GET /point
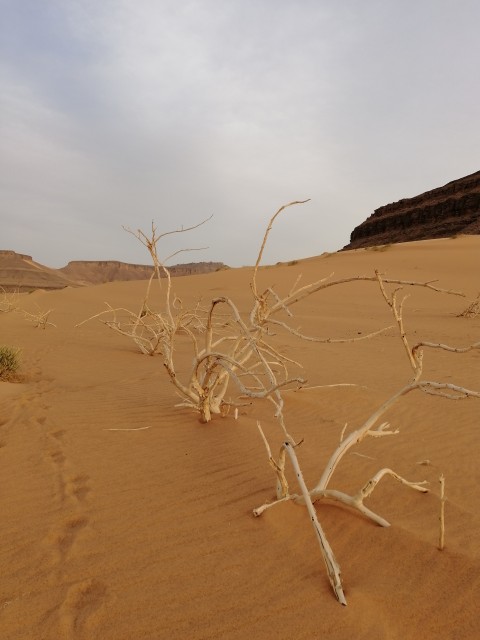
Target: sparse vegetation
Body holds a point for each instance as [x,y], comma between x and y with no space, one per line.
[9,303]
[235,353]
[9,362]
[40,319]
[8,300]
[472,310]
[154,331]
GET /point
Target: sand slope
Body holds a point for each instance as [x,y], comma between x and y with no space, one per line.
[111,533]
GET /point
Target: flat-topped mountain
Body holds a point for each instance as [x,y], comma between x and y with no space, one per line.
[442,212]
[100,271]
[20,272]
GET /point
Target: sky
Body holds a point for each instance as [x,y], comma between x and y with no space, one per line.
[117,113]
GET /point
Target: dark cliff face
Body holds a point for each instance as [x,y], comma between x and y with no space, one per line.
[439,213]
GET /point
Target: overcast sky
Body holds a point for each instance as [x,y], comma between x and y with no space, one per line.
[120,112]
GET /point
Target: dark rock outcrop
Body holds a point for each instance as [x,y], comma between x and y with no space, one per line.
[443,212]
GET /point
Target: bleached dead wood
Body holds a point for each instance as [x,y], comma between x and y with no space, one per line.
[472,310]
[154,332]
[372,427]
[441,541]
[40,319]
[333,568]
[244,356]
[235,350]
[9,300]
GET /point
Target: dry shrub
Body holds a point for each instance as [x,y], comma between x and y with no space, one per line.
[8,300]
[235,361]
[9,362]
[472,310]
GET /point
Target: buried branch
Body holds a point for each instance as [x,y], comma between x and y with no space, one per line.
[333,569]
[372,427]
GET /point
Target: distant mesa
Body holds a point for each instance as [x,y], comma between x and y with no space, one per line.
[100,271]
[440,213]
[443,212]
[19,272]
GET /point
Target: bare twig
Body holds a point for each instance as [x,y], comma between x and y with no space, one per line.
[441,541]
[39,319]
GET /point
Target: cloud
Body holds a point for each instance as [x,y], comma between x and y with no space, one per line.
[119,112]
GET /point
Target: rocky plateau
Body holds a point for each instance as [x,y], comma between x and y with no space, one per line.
[19,272]
[440,213]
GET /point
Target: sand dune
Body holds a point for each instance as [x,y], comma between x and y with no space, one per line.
[125,518]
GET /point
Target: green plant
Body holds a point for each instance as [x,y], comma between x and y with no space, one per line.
[9,362]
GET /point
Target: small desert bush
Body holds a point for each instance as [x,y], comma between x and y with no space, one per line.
[9,362]
[473,309]
[8,300]
[39,318]
[292,263]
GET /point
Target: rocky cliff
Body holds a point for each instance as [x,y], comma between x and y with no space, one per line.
[100,271]
[19,272]
[439,213]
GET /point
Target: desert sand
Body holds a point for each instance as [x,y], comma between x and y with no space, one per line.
[125,518]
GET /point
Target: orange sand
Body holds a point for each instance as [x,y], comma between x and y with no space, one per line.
[124,535]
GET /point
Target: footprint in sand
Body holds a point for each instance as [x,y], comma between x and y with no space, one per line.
[81,602]
[43,386]
[57,456]
[57,435]
[64,538]
[78,487]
